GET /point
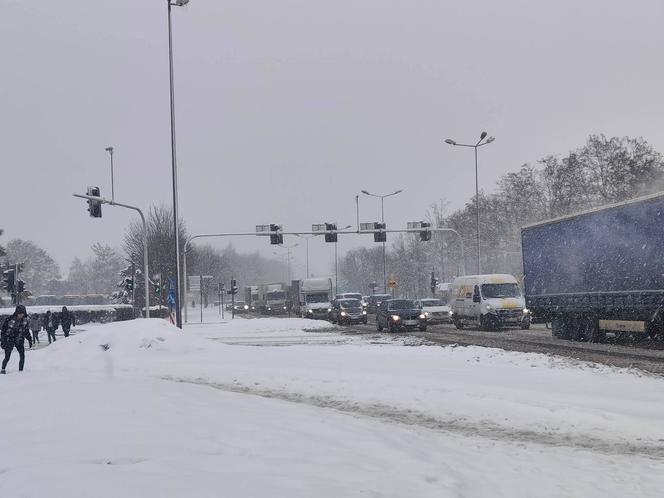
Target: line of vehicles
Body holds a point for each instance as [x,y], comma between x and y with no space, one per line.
[589,274]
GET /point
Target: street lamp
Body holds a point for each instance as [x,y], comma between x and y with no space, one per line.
[110,151]
[482,141]
[382,220]
[178,311]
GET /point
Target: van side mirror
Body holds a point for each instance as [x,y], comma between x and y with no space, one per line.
[476,298]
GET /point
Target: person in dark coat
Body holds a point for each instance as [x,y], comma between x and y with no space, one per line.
[67,320]
[14,331]
[35,327]
[50,323]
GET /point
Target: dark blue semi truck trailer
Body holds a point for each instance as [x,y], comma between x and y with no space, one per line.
[598,271]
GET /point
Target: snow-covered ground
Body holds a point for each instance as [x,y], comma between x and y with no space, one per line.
[292,408]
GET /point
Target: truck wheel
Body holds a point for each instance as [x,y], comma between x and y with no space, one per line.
[423,328]
[379,327]
[458,323]
[392,328]
[589,330]
[486,323]
[559,329]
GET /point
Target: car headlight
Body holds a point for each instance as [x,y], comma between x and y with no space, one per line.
[246,307]
[450,313]
[426,313]
[269,309]
[526,311]
[489,307]
[396,318]
[284,307]
[364,312]
[423,316]
[329,309]
[343,313]
[310,311]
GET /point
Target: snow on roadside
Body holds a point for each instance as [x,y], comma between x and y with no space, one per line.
[339,418]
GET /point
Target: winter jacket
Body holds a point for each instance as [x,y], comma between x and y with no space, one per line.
[67,319]
[54,322]
[35,323]
[15,331]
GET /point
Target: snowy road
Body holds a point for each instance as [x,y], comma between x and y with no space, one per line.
[141,409]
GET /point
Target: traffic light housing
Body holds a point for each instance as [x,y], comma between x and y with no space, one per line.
[94,207]
[425,234]
[234,287]
[379,236]
[330,227]
[9,281]
[129,283]
[20,286]
[275,237]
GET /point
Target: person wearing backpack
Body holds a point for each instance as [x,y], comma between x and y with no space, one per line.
[14,331]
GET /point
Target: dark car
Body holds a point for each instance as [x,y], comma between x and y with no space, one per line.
[374,301]
[396,314]
[347,311]
[239,307]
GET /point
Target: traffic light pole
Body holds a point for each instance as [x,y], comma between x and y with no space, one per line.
[187,243]
[145,242]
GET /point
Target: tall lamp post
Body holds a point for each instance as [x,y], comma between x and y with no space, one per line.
[382,220]
[178,311]
[110,151]
[482,141]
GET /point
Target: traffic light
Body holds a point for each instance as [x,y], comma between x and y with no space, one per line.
[330,227]
[234,287]
[9,281]
[129,283]
[434,283]
[20,286]
[275,237]
[379,236]
[94,207]
[425,234]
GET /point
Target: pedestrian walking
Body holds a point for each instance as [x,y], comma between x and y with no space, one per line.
[67,320]
[35,327]
[50,323]
[14,331]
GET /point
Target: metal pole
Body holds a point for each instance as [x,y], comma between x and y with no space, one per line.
[232,300]
[222,300]
[184,271]
[110,151]
[133,289]
[219,291]
[336,271]
[16,279]
[307,239]
[201,292]
[382,220]
[477,208]
[288,264]
[178,311]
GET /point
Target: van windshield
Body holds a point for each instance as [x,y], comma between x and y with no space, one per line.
[500,290]
[321,297]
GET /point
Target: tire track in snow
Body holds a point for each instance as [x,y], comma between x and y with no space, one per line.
[405,416]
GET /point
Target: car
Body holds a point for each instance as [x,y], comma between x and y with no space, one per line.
[435,310]
[240,307]
[396,314]
[347,311]
[375,300]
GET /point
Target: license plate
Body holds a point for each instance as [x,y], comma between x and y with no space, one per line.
[410,322]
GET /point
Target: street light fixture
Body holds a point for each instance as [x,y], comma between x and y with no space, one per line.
[481,142]
[382,219]
[178,311]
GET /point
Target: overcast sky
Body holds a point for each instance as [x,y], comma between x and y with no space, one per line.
[287,109]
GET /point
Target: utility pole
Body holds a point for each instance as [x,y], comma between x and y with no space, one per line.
[200,277]
[133,289]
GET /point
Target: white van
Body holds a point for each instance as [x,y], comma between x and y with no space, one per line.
[489,302]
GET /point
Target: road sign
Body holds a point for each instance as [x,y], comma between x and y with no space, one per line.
[392,283]
[194,283]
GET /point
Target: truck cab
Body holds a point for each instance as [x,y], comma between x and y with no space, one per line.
[489,302]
